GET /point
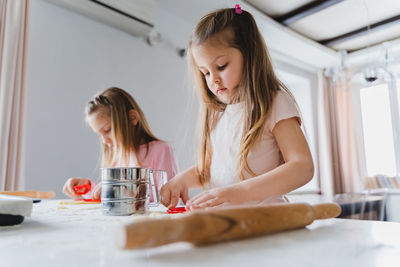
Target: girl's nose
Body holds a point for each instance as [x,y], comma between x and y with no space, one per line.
[216,79]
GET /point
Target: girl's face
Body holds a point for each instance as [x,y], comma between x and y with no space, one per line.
[100,122]
[222,67]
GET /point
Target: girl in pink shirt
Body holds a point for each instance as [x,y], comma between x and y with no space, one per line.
[252,148]
[126,138]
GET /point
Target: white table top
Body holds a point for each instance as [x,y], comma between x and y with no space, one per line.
[79,235]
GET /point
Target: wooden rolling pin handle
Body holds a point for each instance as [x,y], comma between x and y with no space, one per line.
[217,225]
[31,194]
[326,210]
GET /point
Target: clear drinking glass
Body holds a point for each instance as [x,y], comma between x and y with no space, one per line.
[158,178]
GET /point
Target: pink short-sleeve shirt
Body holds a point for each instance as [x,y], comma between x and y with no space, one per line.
[159,157]
[225,141]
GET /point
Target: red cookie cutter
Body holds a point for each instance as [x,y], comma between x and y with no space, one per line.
[82,189]
[176,210]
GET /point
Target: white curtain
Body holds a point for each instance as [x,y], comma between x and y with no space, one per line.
[341,153]
[13,23]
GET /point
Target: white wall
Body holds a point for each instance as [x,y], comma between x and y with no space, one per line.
[69,59]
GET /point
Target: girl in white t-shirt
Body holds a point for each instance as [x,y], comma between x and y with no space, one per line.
[252,148]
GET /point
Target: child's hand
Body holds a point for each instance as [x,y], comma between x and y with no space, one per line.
[172,191]
[228,195]
[69,185]
[96,192]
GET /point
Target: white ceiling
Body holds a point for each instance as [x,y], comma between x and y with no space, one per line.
[275,8]
[338,18]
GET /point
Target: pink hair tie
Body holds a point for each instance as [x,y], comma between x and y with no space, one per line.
[238,9]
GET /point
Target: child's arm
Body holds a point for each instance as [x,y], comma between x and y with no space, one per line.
[297,170]
[179,187]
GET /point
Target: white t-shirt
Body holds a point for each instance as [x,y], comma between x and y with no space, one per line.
[225,141]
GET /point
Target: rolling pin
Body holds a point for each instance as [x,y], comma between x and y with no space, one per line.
[31,194]
[215,225]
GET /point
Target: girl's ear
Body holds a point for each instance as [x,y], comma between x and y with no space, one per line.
[133,117]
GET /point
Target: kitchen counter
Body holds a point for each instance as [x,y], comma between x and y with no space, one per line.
[79,235]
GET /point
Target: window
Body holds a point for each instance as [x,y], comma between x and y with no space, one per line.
[379,113]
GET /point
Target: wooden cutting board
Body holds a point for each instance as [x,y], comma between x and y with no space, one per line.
[216,225]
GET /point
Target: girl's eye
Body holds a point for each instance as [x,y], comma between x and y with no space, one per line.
[206,74]
[222,67]
[109,130]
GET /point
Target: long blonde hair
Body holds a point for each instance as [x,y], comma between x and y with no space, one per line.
[257,88]
[128,136]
